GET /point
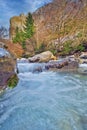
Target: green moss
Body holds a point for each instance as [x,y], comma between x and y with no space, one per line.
[12,82]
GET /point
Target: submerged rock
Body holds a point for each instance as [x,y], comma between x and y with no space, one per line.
[43,57]
[22,60]
[82,68]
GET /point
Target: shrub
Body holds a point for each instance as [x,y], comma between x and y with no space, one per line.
[67,48]
[54,51]
[23,45]
[79,35]
[80,47]
[41,48]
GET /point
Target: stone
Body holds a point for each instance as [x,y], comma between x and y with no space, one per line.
[7,67]
[83,58]
[64,65]
[43,57]
[22,60]
[37,69]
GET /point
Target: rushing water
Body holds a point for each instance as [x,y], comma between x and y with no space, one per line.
[45,101]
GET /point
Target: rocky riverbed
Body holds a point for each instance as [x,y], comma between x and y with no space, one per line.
[45,61]
[48,61]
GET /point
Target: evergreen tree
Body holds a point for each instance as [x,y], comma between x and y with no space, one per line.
[29,29]
[28,32]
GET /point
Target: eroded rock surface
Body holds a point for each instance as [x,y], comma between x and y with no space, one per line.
[64,65]
[7,67]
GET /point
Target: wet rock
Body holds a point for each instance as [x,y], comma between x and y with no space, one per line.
[82,69]
[64,65]
[42,57]
[4,78]
[7,67]
[22,60]
[83,58]
[38,69]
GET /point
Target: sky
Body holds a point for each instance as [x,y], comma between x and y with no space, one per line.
[10,8]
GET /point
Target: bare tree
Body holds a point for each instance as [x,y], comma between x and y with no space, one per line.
[3,32]
[66,14]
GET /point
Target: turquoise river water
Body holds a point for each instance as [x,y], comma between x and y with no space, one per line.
[45,101]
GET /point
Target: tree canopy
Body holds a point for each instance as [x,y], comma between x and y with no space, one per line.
[28,32]
[29,29]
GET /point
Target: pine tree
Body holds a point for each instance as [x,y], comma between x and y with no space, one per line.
[29,29]
[28,32]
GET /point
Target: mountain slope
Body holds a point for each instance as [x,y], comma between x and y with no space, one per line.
[59,19]
[60,24]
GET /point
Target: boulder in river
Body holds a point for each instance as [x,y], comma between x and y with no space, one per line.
[43,57]
[63,65]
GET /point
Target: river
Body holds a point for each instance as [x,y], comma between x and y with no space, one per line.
[45,101]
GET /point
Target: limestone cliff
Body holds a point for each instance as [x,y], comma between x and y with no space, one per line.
[16,22]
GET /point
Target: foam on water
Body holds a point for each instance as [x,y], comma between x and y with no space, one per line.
[45,101]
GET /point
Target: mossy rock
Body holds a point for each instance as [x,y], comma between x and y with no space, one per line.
[12,82]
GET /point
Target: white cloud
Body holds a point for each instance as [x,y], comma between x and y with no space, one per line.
[9,8]
[34,4]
